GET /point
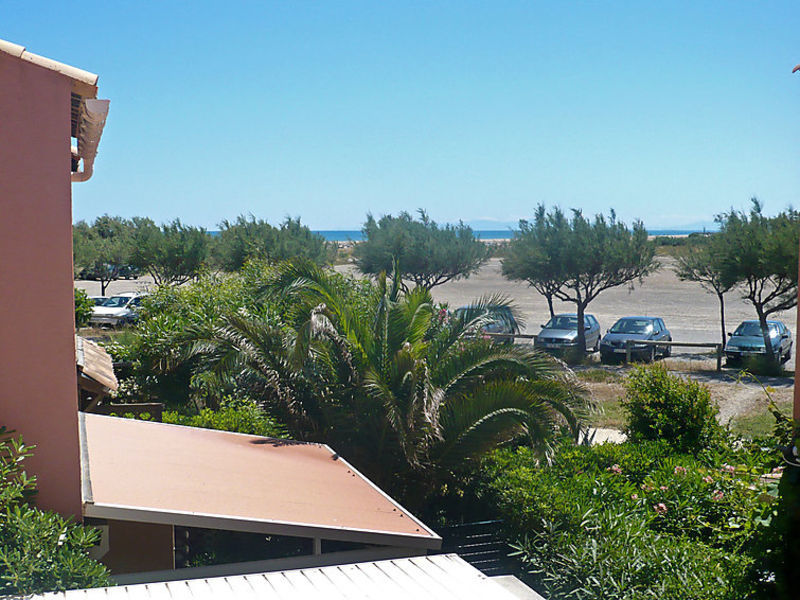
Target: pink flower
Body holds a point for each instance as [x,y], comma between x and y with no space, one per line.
[647,488]
[728,469]
[717,496]
[708,479]
[634,496]
[660,508]
[664,488]
[680,470]
[614,469]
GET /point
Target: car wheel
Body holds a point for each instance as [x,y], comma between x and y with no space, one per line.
[668,350]
[596,344]
[604,358]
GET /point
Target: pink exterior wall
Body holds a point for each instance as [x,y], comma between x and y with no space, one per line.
[38,395]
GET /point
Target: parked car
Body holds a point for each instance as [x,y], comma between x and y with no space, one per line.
[98,300]
[613,343]
[117,310]
[501,321]
[748,340]
[560,333]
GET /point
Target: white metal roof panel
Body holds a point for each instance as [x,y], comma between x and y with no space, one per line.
[441,577]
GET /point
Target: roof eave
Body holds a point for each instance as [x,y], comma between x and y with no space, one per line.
[268,527]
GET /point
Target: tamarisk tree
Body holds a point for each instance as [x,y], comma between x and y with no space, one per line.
[702,263]
[575,259]
[420,251]
[760,254]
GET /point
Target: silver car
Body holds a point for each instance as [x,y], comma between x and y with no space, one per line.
[561,333]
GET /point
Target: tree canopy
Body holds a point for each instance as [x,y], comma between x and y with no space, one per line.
[701,262]
[425,253]
[172,254]
[248,238]
[575,259]
[102,251]
[760,254]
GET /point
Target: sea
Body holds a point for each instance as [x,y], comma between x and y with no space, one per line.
[353,235]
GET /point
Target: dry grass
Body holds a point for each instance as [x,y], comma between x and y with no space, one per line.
[757,421]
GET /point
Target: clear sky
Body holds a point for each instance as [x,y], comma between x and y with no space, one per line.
[666,111]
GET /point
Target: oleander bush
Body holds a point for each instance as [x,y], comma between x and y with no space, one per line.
[662,406]
[40,551]
[635,520]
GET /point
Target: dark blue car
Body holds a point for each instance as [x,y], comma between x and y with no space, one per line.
[748,340]
[635,329]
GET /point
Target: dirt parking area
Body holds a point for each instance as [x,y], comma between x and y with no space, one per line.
[690,313]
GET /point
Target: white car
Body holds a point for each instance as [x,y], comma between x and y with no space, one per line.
[117,310]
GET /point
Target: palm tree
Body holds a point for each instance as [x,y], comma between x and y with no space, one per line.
[405,393]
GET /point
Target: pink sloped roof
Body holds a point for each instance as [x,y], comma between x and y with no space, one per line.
[155,472]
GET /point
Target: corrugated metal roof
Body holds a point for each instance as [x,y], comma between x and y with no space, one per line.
[160,473]
[443,577]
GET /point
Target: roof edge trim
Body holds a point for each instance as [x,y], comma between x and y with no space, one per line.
[74,73]
[226,522]
[86,481]
[385,495]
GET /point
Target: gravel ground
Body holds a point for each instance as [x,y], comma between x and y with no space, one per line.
[690,313]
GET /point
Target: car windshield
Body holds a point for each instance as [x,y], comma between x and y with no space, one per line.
[562,322]
[117,301]
[750,329]
[632,326]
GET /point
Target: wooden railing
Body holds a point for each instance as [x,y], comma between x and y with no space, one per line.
[630,343]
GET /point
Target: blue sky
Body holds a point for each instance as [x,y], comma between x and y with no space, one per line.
[667,112]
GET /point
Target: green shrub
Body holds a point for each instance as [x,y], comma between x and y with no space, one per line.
[242,416]
[39,551]
[660,405]
[633,520]
[615,556]
[83,308]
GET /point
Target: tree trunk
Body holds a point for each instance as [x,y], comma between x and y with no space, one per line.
[550,304]
[103,286]
[581,350]
[722,318]
[762,319]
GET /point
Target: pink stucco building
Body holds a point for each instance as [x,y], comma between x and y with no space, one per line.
[138,480]
[43,112]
